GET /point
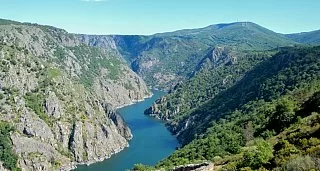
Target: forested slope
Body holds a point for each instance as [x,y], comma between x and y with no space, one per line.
[269,119]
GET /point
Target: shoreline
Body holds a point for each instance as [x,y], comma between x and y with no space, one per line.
[134,101]
[74,165]
[96,162]
[88,163]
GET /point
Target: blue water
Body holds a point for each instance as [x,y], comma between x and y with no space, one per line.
[151,140]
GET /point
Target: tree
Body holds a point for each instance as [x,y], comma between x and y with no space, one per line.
[283,116]
[312,105]
[248,132]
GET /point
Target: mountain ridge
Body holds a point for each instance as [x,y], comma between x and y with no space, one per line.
[165,59]
[312,37]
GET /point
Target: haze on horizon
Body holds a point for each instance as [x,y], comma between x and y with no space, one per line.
[149,17]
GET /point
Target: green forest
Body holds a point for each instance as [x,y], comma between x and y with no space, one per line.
[269,120]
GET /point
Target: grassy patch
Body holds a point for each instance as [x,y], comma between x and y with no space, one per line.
[53,73]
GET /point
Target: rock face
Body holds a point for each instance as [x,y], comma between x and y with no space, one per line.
[52,105]
[218,56]
[60,95]
[105,42]
[127,89]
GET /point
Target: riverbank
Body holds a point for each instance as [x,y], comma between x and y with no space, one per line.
[134,101]
[151,140]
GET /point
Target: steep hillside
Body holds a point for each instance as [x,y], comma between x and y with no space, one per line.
[312,37]
[95,68]
[57,97]
[222,68]
[165,59]
[267,120]
[266,81]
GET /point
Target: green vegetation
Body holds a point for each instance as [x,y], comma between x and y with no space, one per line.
[95,60]
[35,101]
[2,96]
[60,53]
[284,72]
[207,83]
[53,73]
[267,120]
[258,155]
[142,167]
[7,156]
[227,144]
[8,22]
[312,37]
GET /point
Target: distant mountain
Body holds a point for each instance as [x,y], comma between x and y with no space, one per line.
[165,59]
[312,37]
[244,35]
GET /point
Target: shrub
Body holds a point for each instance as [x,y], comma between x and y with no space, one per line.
[284,152]
[1,96]
[141,167]
[13,62]
[258,155]
[7,156]
[301,163]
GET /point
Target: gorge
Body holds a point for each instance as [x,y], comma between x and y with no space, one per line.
[239,96]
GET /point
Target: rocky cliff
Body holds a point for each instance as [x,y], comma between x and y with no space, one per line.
[59,95]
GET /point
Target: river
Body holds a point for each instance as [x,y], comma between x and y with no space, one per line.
[151,140]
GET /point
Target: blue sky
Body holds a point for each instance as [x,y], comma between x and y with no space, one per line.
[154,16]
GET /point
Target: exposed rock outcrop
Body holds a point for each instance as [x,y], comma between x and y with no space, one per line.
[60,96]
[196,167]
[32,126]
[37,155]
[127,89]
[217,56]
[52,105]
